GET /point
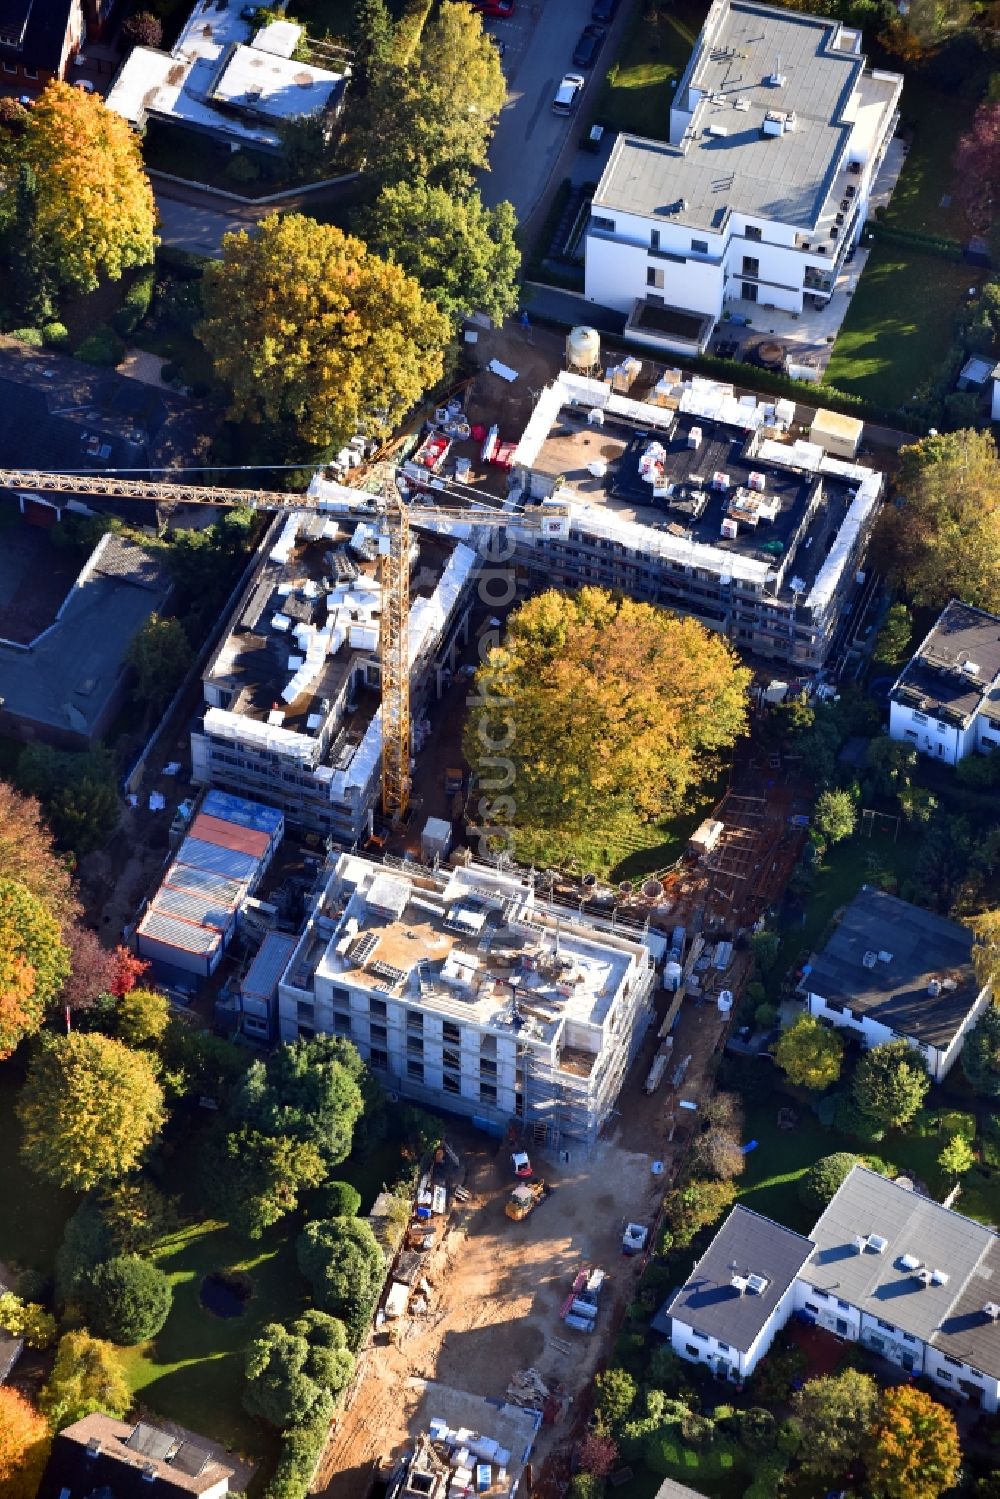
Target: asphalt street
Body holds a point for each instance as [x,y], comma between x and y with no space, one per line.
[530,139]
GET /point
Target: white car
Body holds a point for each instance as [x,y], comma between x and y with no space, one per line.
[568,93]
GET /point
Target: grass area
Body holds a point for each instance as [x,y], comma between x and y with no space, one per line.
[620,848]
[721,1471]
[193,1371]
[770,1183]
[372,1172]
[898,330]
[937,121]
[637,92]
[33,1213]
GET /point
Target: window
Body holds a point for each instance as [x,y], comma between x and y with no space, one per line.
[339,996]
[449,1057]
[654,239]
[844,1305]
[379,1035]
[700,247]
[748,291]
[608,225]
[723,1347]
[943,1374]
[377,1007]
[692,1350]
[654,277]
[886,1326]
[415,1046]
[415,1070]
[31,72]
[751,265]
[10,67]
[487,1092]
[519,1105]
[955,1362]
[450,1032]
[908,1338]
[341,1025]
[752,232]
[379,1058]
[487,1068]
[450,1084]
[919,717]
[415,1022]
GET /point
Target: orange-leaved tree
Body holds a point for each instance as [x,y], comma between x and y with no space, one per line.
[913,1450]
[24,1446]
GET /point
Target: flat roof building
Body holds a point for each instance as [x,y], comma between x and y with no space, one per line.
[891,970]
[692,500]
[292,695]
[946,700]
[777,130]
[465,990]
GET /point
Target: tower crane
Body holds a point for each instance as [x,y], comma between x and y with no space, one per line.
[395,518]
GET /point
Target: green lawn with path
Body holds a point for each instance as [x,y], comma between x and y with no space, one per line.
[640,85]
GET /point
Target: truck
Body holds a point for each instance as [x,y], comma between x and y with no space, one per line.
[525,1198]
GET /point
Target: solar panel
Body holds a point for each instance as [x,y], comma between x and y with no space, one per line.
[190,1458]
[150,1441]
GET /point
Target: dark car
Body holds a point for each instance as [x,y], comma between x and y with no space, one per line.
[587,48]
[501,9]
[604,11]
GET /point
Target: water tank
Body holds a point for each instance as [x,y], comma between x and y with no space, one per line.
[583,348]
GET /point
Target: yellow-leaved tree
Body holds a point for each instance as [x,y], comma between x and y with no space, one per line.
[88,211]
[314,335]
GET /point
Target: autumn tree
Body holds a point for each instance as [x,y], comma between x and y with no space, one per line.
[986,947]
[835,815]
[295,1372]
[981,1054]
[371,43]
[141,1017]
[159,654]
[27,855]
[27,1319]
[596,704]
[314,335]
[913,1450]
[142,29]
[24,1446]
[977,165]
[717,1153]
[810,1054]
[34,963]
[464,255]
[942,539]
[93,968]
[890,1084]
[834,1410]
[86,1377]
[90,1107]
[94,214]
[431,120]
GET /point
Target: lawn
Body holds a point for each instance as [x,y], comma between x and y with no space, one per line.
[770,1183]
[639,88]
[33,1213]
[193,1371]
[937,121]
[899,326]
[720,1471]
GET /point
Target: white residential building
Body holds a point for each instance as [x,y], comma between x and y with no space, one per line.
[892,971]
[884,1266]
[946,702]
[466,991]
[292,711]
[776,133]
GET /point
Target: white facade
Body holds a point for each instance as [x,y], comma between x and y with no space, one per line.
[762,191]
[872,1032]
[946,701]
[466,992]
[725,1360]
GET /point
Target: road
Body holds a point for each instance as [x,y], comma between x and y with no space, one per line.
[530,140]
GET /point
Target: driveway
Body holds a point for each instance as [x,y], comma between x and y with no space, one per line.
[530,139]
[197,230]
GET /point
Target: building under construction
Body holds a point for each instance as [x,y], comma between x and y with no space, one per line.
[292,708]
[467,991]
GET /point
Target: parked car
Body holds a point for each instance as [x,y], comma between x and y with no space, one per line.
[568,93]
[587,48]
[604,11]
[501,9]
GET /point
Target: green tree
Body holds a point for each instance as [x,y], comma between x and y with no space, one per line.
[27,1320]
[306,1090]
[766,946]
[159,654]
[834,1410]
[30,292]
[913,1449]
[943,540]
[34,963]
[432,120]
[371,40]
[338,1200]
[654,699]
[820,1182]
[90,1107]
[316,336]
[257,1179]
[957,1157]
[293,1373]
[890,1084]
[79,792]
[614,1396]
[86,1377]
[893,640]
[85,1243]
[810,1054]
[835,815]
[986,947]
[943,860]
[342,1261]
[696,1205]
[82,153]
[128,1299]
[137,1215]
[981,1054]
[141,1017]
[464,256]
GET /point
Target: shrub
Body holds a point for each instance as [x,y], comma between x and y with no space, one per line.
[586,1486]
[128,1299]
[765,1016]
[33,337]
[756,1428]
[337,1200]
[242,168]
[135,303]
[614,1396]
[768,1474]
[301,1449]
[55,335]
[102,347]
[821,1181]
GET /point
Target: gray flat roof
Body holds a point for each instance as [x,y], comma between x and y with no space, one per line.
[949,1316]
[923,947]
[953,672]
[785,177]
[745,1245]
